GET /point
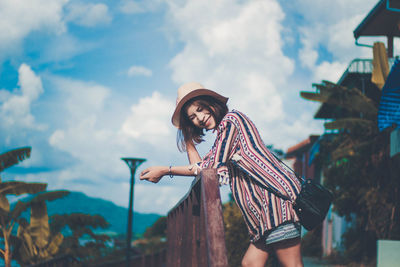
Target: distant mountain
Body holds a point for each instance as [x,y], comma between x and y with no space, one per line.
[117,216]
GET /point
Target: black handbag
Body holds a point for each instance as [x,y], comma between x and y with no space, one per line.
[312,203]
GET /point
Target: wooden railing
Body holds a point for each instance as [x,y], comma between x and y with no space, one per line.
[195,230]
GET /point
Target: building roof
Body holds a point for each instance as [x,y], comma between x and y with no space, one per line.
[382,20]
[301,147]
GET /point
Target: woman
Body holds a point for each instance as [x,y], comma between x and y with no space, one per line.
[255,176]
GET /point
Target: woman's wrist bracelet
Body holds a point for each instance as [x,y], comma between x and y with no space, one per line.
[169,172]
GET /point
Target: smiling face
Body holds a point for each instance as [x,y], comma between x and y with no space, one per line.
[200,117]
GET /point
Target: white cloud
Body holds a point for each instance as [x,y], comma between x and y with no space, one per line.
[149,120]
[81,108]
[235,48]
[18,18]
[97,132]
[330,25]
[139,71]
[15,107]
[162,196]
[90,135]
[341,40]
[63,48]
[135,7]
[131,7]
[307,54]
[329,71]
[88,15]
[22,18]
[300,126]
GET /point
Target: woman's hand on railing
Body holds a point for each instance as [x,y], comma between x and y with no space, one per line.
[154,174]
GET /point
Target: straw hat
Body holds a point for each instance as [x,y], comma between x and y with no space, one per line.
[187,92]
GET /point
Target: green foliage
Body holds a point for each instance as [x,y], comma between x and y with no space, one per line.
[365,183]
[154,238]
[360,245]
[35,241]
[158,229]
[38,240]
[236,234]
[15,188]
[311,244]
[39,198]
[82,242]
[358,169]
[7,160]
[357,126]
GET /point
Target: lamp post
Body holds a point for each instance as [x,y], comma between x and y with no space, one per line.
[132,163]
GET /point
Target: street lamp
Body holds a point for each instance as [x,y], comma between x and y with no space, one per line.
[133,163]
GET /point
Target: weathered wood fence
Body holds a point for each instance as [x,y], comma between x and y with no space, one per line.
[195,230]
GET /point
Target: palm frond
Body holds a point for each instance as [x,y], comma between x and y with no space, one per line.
[21,206]
[315,96]
[18,188]
[13,157]
[352,100]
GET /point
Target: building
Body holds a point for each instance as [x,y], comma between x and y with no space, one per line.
[382,20]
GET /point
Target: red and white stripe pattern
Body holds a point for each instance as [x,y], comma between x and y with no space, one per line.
[253,174]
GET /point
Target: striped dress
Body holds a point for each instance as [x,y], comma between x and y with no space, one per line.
[253,173]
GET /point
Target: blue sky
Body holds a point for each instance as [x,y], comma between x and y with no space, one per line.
[88,82]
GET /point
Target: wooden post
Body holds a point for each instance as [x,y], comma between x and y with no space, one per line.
[215,233]
[195,229]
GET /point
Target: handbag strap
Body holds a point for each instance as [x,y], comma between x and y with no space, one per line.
[297,176]
[302,180]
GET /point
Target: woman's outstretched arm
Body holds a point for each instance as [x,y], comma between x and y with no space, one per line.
[155,173]
[192,153]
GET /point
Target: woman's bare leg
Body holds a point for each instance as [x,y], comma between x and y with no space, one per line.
[256,255]
[288,253]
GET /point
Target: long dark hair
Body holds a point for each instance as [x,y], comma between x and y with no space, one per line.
[187,130]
